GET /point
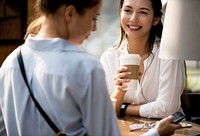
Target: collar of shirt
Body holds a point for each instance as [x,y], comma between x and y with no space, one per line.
[47,44]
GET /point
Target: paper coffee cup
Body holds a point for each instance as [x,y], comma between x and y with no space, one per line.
[132,61]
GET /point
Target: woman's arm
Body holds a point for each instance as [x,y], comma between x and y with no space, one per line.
[133,110]
[170,87]
[119,95]
[120,91]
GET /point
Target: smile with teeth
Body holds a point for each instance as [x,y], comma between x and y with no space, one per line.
[134,27]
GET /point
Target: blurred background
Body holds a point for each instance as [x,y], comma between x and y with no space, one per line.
[108,29]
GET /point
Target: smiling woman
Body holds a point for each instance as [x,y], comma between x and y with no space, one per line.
[108,33]
[61,76]
[162,81]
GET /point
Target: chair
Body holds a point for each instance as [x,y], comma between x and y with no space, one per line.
[191,107]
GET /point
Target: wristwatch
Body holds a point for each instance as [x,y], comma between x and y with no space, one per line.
[123,109]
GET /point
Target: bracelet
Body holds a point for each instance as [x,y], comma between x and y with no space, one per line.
[123,109]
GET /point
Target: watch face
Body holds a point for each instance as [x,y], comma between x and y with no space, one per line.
[123,106]
[123,109]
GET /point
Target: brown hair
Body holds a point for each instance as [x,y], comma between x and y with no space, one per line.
[45,7]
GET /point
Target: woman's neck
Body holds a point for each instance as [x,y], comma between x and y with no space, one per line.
[48,29]
[139,46]
[53,26]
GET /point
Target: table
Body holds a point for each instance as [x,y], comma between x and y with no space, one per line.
[128,120]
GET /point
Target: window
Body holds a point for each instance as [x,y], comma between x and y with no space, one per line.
[108,29]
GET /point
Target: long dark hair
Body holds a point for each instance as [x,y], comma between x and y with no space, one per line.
[155,30]
[45,7]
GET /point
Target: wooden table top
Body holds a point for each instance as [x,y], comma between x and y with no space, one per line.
[128,120]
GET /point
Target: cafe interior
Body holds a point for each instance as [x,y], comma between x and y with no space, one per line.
[181,21]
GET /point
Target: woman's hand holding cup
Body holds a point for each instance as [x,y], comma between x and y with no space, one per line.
[132,64]
[120,79]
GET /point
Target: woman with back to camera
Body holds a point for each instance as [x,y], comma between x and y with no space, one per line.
[68,83]
[161,82]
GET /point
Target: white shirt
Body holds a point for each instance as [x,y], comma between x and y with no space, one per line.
[160,87]
[69,85]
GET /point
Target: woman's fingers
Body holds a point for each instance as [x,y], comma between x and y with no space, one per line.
[121,70]
[120,84]
[121,87]
[121,73]
[121,81]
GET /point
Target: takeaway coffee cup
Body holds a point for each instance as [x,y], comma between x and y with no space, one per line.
[132,61]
